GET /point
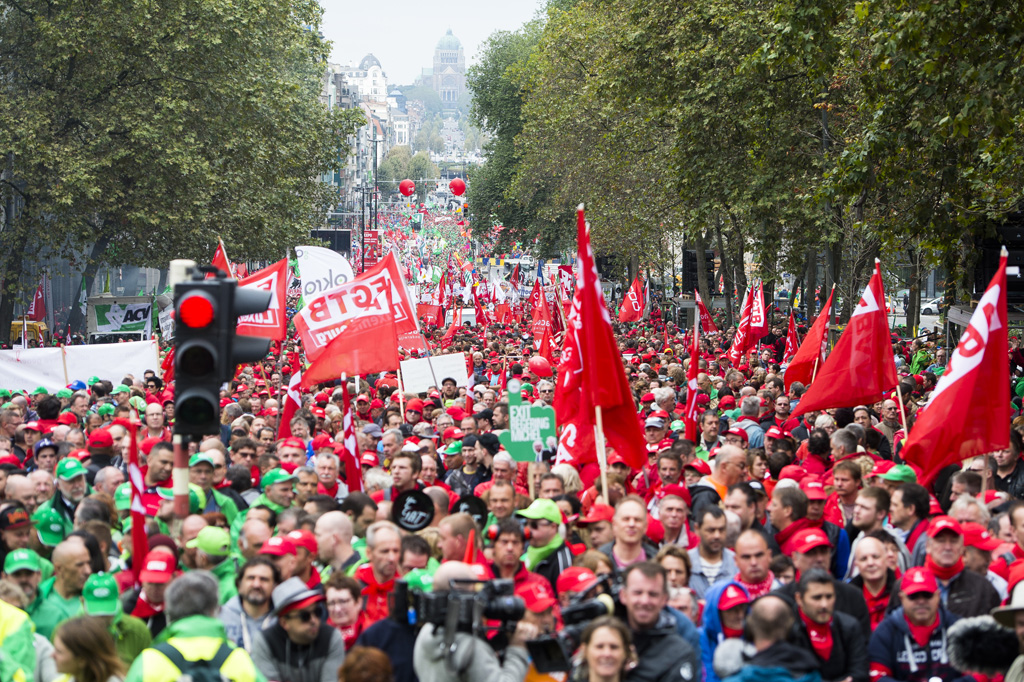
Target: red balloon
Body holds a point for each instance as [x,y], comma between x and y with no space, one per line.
[457,186]
[407,187]
[540,366]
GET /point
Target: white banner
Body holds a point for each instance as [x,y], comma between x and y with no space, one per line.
[321,270]
[27,369]
[418,378]
[55,368]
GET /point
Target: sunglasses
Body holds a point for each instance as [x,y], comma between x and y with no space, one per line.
[921,596]
[539,523]
[304,616]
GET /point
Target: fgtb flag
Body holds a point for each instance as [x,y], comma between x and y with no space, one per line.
[741,340]
[810,355]
[706,323]
[632,308]
[792,339]
[861,366]
[273,323]
[965,416]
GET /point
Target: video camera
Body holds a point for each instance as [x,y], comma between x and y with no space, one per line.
[464,608]
[553,653]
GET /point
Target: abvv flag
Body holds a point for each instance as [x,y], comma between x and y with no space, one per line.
[969,408]
[861,366]
[741,340]
[706,323]
[632,308]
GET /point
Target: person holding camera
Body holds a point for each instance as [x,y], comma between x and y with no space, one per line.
[471,659]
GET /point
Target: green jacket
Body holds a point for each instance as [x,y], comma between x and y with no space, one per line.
[920,361]
[225,504]
[17,652]
[236,525]
[196,638]
[53,610]
[66,519]
[225,572]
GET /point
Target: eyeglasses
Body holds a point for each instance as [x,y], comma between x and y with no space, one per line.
[246,455]
[340,602]
[539,523]
[304,616]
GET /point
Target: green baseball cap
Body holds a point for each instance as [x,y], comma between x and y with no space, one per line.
[4,393]
[120,388]
[123,496]
[194,504]
[201,458]
[64,393]
[677,425]
[528,387]
[212,540]
[6,406]
[420,580]
[454,448]
[138,403]
[50,527]
[39,390]
[22,560]
[101,595]
[105,410]
[542,509]
[69,468]
[900,473]
[277,476]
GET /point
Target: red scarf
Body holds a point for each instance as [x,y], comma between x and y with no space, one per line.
[757,589]
[821,636]
[922,633]
[732,633]
[944,573]
[144,610]
[784,536]
[876,605]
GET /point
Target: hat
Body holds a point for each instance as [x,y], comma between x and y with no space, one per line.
[14,517]
[123,496]
[454,448]
[758,487]
[727,402]
[575,579]
[775,432]
[794,472]
[100,438]
[900,473]
[918,579]
[93,380]
[655,423]
[739,433]
[943,523]
[32,426]
[120,388]
[809,539]
[67,418]
[212,540]
[158,567]
[410,447]
[22,560]
[677,425]
[700,466]
[50,526]
[414,405]
[105,410]
[813,489]
[677,490]
[101,596]
[63,393]
[537,595]
[201,458]
[1005,615]
[277,476]
[647,397]
[598,512]
[882,467]
[362,398]
[376,403]
[732,596]
[977,536]
[542,509]
[420,579]
[615,458]
[293,443]
[279,545]
[373,431]
[39,390]
[369,458]
[69,469]
[291,595]
[43,443]
[303,538]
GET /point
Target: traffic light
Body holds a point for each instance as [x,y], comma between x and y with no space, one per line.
[689,278]
[208,348]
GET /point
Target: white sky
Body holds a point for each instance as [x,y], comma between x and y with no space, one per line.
[402,33]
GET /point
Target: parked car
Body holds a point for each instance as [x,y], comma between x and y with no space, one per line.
[931,307]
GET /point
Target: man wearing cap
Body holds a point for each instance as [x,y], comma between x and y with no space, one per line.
[299,646]
[278,490]
[16,529]
[910,644]
[724,614]
[812,549]
[547,555]
[201,474]
[71,489]
[101,599]
[213,553]
[71,567]
[833,638]
[711,561]
[671,506]
[598,525]
[148,601]
[23,567]
[193,634]
[978,547]
[963,592]
[282,551]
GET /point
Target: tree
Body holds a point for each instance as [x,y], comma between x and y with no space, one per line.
[421,169]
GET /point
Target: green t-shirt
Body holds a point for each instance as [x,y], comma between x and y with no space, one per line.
[53,610]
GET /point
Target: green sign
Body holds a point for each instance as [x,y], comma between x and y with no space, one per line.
[531,428]
[132,317]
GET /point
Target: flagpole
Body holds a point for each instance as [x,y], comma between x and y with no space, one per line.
[401,393]
[903,411]
[602,456]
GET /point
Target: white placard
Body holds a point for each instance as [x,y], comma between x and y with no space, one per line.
[417,377]
[111,361]
[27,369]
[321,270]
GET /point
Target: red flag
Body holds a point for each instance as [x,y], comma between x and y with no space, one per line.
[741,340]
[965,416]
[482,318]
[140,541]
[220,260]
[37,309]
[272,324]
[758,316]
[168,366]
[292,404]
[540,312]
[543,347]
[861,366]
[449,335]
[604,383]
[706,323]
[792,339]
[632,308]
[812,350]
[353,471]
[367,344]
[690,416]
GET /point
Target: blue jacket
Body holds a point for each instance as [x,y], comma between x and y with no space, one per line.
[711,633]
[686,629]
[781,662]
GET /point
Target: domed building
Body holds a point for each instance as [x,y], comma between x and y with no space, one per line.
[449,72]
[368,79]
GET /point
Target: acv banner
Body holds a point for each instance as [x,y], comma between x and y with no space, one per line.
[112,318]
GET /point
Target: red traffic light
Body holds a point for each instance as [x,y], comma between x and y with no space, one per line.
[196,310]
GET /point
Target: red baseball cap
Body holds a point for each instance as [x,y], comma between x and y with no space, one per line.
[941,523]
[810,538]
[67,418]
[794,472]
[101,438]
[32,426]
[322,440]
[575,579]
[677,490]
[882,467]
[813,489]
[977,536]
[616,458]
[454,433]
[279,545]
[732,597]
[159,567]
[737,431]
[700,466]
[647,398]
[599,512]
[537,595]
[303,538]
[318,412]
[777,433]
[918,579]
[293,443]
[369,459]
[727,402]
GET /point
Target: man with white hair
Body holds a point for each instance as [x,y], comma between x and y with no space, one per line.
[665,399]
[107,480]
[503,468]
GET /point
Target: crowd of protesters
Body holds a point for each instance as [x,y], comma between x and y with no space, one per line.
[769,548]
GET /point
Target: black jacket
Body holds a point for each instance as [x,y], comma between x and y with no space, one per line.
[849,600]
[397,641]
[893,648]
[554,565]
[1013,483]
[849,656]
[664,656]
[890,582]
[786,656]
[969,594]
[278,658]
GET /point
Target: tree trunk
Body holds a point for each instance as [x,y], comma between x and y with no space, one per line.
[76,320]
[10,286]
[914,285]
[700,245]
[726,269]
[810,297]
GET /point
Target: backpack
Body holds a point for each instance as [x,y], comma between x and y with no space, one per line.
[200,670]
